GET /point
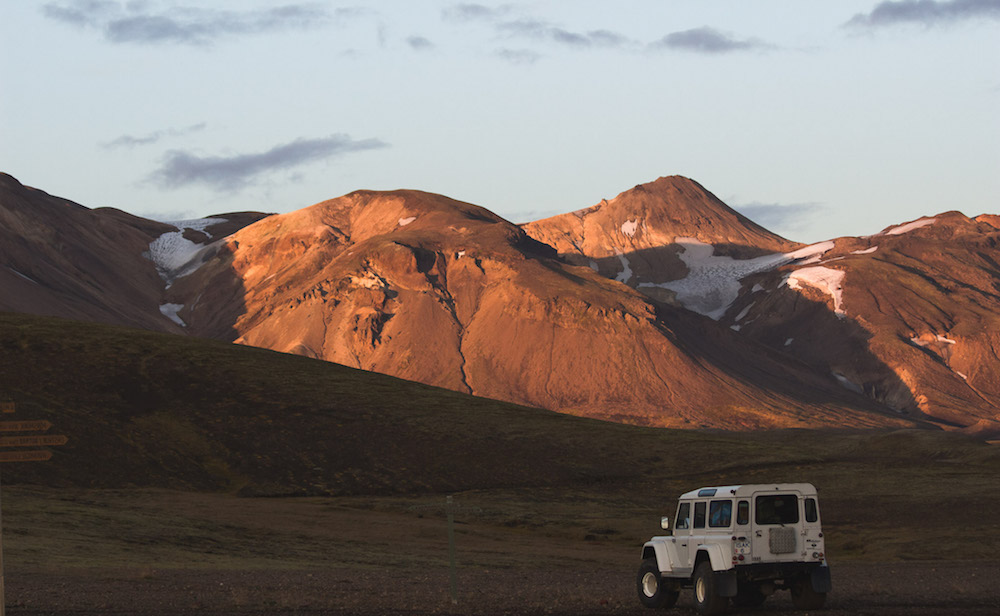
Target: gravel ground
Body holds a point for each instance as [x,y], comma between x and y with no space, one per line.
[898,588]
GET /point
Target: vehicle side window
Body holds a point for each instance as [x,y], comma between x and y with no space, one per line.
[699,515]
[812,513]
[777,509]
[743,512]
[683,517]
[720,513]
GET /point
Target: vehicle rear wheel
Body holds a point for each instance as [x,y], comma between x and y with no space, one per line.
[652,591]
[706,598]
[804,597]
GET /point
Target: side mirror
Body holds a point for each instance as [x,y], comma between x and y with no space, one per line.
[665,523]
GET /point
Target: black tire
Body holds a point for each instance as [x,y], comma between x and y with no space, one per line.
[653,593]
[749,595]
[706,599]
[804,597]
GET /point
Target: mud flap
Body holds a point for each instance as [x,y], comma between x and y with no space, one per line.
[725,583]
[820,579]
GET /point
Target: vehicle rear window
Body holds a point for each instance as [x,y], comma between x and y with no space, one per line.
[699,515]
[720,513]
[777,509]
[812,513]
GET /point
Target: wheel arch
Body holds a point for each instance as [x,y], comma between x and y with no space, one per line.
[714,554]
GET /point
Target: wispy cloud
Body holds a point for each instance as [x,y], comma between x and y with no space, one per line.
[544,31]
[518,56]
[783,218]
[925,12]
[222,173]
[148,23]
[419,43]
[475,12]
[708,41]
[130,141]
[506,23]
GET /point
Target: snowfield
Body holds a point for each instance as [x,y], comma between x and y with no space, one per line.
[713,282]
[173,254]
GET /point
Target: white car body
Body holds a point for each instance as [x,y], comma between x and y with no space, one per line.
[756,537]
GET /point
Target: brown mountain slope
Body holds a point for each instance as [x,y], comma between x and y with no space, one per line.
[59,258]
[446,293]
[632,238]
[919,316]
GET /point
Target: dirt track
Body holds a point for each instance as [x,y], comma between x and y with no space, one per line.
[897,588]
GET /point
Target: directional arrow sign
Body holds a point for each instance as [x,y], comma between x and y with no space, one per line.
[24,456]
[39,425]
[41,440]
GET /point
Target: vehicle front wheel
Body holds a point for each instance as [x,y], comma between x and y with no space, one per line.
[652,591]
[706,599]
[805,598]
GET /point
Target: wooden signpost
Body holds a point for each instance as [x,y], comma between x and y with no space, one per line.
[35,455]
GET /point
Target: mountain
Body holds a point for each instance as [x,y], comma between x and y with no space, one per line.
[909,316]
[60,258]
[633,237]
[446,293]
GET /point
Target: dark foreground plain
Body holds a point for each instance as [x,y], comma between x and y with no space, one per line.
[518,552]
[578,589]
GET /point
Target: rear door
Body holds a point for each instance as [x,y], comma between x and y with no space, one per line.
[776,522]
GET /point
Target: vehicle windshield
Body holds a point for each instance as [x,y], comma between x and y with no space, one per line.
[777,509]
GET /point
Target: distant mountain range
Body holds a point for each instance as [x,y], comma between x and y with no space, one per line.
[662,306]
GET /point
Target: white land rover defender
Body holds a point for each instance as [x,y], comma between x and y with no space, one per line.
[740,543]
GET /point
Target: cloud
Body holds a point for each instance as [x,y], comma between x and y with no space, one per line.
[144,23]
[925,12]
[518,56]
[151,138]
[708,40]
[783,218]
[419,43]
[474,12]
[542,30]
[223,173]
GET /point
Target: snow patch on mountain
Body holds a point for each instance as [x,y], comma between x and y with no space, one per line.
[713,282]
[827,280]
[170,311]
[405,221]
[743,313]
[28,278]
[626,274]
[176,256]
[629,227]
[866,251]
[910,226]
[848,383]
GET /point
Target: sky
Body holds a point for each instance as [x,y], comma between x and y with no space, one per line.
[816,119]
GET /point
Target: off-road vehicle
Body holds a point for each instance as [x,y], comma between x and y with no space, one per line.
[740,543]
